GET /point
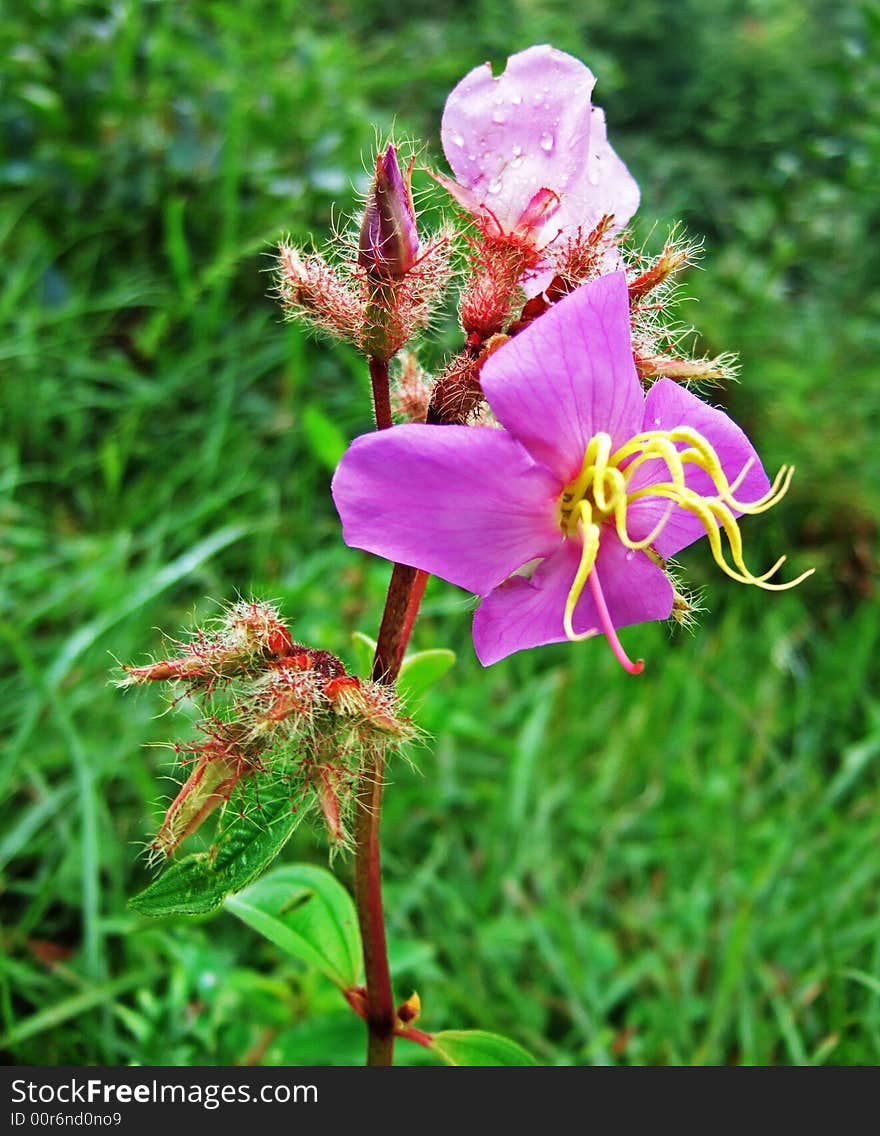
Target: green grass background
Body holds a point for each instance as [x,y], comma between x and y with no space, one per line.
[680,868]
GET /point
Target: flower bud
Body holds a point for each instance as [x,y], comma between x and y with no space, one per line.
[389,242]
[326,783]
[369,705]
[409,1011]
[220,765]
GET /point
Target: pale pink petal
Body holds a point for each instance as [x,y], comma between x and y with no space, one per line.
[465,503]
[607,188]
[526,130]
[524,613]
[569,375]
[669,405]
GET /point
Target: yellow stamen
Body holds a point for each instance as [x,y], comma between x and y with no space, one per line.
[589,550]
[599,493]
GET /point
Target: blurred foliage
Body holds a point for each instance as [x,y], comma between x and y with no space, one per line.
[560,869]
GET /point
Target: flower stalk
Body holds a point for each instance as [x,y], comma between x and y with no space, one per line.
[405,592]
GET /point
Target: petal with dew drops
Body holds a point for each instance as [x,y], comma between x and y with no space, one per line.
[506,137]
[669,405]
[465,503]
[524,613]
[569,375]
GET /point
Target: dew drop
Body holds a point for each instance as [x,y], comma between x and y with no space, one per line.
[494,185]
[457,139]
[499,116]
[630,554]
[656,421]
[546,142]
[516,100]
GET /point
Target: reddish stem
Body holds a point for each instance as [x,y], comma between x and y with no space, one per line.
[401,607]
[368,897]
[381,392]
[405,593]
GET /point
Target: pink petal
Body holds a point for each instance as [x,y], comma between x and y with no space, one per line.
[569,375]
[529,128]
[668,405]
[524,613]
[608,187]
[465,503]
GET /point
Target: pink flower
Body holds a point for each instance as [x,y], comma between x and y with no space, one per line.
[529,151]
[563,519]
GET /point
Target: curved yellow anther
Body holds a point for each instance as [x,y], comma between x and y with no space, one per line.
[599,494]
[590,534]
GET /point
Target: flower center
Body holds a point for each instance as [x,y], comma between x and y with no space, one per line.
[600,494]
[597,491]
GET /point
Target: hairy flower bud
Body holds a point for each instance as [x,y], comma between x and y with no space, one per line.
[246,635]
[220,766]
[389,242]
[276,713]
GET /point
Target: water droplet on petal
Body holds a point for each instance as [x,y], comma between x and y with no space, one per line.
[656,421]
[546,142]
[494,185]
[457,139]
[630,554]
[516,100]
[499,116]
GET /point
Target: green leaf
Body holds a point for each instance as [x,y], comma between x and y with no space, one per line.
[323,436]
[364,649]
[421,670]
[243,850]
[476,1047]
[305,911]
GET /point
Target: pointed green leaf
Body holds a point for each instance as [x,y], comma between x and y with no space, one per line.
[421,670]
[364,649]
[476,1047]
[244,848]
[305,911]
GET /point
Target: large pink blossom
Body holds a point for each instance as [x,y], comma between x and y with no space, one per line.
[563,519]
[529,151]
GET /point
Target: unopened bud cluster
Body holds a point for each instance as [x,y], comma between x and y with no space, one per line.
[378,290]
[271,708]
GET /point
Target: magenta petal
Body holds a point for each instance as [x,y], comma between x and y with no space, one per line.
[507,137]
[569,375]
[669,405]
[462,502]
[524,613]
